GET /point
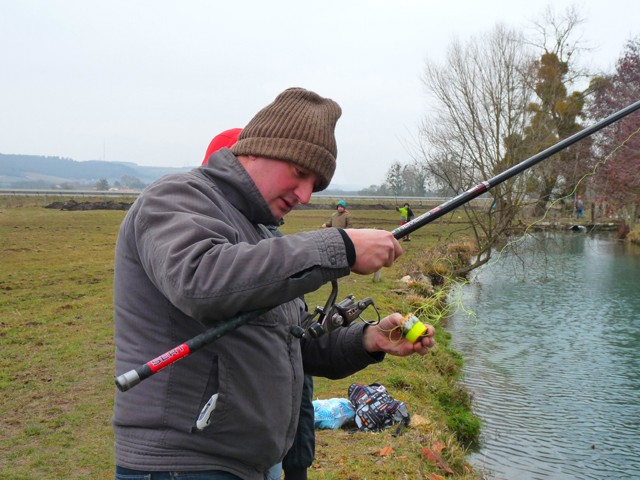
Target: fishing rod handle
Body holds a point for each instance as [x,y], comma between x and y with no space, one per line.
[133,377]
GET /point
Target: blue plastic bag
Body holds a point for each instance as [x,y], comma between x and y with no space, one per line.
[332,413]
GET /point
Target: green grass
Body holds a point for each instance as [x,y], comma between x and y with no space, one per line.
[56,367]
[56,333]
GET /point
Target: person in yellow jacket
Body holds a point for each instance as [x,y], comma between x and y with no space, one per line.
[341,218]
[407,216]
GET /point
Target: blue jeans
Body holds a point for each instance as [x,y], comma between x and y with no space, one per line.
[275,472]
[127,474]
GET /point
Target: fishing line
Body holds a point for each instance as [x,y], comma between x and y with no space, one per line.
[433,308]
[552,204]
[459,283]
[443,304]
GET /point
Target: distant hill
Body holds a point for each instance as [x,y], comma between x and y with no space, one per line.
[44,172]
[32,171]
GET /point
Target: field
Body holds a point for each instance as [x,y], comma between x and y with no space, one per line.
[56,367]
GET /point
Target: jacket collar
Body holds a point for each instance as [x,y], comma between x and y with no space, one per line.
[231,178]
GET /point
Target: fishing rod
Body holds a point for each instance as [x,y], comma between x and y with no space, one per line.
[341,314]
[487,185]
[323,320]
[133,377]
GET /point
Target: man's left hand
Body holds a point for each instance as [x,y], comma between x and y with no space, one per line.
[387,337]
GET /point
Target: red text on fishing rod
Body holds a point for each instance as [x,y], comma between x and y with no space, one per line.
[169,357]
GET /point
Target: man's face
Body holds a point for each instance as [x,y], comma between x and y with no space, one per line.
[340,209]
[282,184]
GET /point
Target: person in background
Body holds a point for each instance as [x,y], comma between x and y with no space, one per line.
[341,218]
[407,215]
[196,249]
[578,206]
[224,139]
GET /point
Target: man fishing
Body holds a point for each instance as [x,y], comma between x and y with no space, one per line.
[196,249]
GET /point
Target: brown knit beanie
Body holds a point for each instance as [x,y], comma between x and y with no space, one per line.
[297,127]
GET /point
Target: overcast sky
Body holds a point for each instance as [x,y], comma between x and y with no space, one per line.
[151,82]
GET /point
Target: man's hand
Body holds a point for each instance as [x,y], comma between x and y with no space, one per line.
[387,337]
[374,249]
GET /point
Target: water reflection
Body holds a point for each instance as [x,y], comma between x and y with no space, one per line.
[552,357]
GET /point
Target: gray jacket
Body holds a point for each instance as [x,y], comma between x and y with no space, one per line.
[192,251]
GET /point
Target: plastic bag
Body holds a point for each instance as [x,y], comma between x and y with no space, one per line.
[332,413]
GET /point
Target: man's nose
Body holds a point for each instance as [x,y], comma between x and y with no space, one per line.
[304,191]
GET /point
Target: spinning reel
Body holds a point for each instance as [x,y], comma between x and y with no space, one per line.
[335,315]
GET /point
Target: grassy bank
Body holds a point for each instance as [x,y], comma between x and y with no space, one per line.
[56,367]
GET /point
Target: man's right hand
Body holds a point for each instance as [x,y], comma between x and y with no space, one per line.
[374,249]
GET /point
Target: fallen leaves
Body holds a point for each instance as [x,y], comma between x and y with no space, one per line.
[435,476]
[386,451]
[433,455]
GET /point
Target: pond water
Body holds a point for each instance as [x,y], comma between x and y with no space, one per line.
[552,357]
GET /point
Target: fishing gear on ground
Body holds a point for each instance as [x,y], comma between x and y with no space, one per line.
[376,409]
[370,407]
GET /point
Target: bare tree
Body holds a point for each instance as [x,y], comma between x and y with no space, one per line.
[556,113]
[475,126]
[414,177]
[394,179]
[558,33]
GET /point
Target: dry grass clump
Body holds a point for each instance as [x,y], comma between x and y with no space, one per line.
[463,250]
[634,236]
[440,264]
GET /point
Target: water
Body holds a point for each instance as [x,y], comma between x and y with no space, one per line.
[552,357]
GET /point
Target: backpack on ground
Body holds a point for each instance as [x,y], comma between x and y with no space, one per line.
[376,409]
